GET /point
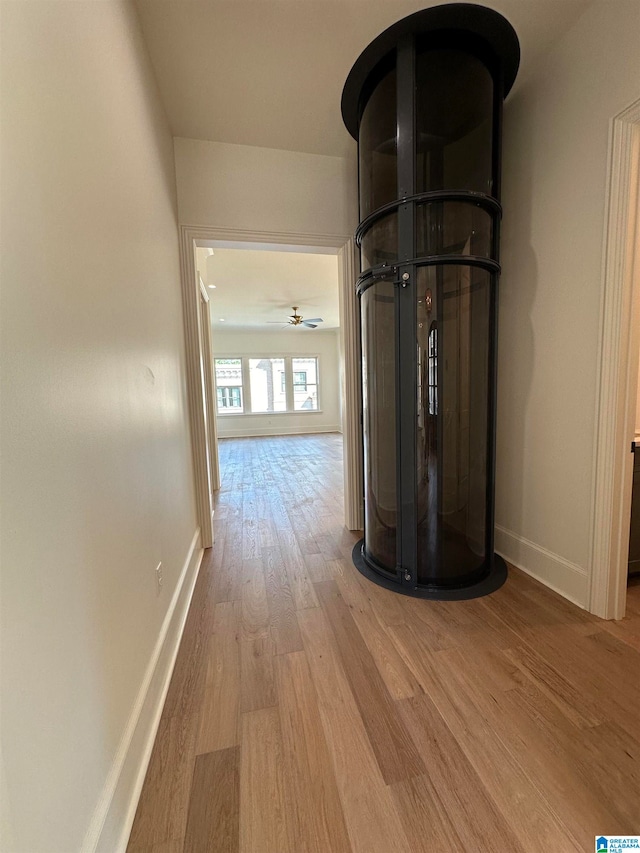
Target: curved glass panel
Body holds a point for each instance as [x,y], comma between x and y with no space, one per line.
[380,243]
[377,148]
[454,116]
[453,227]
[379,422]
[453,312]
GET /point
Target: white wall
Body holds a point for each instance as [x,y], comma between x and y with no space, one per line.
[288,342]
[96,465]
[555,158]
[263,189]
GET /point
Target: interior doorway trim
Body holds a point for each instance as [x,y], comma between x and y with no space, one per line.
[351,388]
[209,387]
[201,435]
[618,371]
[190,236]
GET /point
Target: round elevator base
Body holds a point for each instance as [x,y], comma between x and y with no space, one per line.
[494,580]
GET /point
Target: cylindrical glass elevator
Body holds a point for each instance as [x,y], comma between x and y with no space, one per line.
[424,102]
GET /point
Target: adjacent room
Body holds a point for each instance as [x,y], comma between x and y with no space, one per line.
[276,339]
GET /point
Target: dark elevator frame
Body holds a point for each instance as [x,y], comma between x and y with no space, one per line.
[487,36]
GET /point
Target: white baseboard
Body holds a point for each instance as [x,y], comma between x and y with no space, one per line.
[566,578]
[257,432]
[113,818]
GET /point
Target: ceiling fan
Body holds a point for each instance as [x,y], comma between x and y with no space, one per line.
[296,320]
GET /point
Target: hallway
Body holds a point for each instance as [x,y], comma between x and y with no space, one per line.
[311,710]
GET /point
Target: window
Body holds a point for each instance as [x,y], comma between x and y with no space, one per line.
[266,377]
[305,384]
[300,380]
[263,385]
[229,397]
[229,385]
[433,368]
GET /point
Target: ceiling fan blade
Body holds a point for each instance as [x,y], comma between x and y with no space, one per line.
[309,325]
[314,320]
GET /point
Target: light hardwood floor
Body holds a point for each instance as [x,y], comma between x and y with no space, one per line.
[311,711]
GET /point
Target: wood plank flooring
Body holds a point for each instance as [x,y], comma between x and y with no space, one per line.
[311,711]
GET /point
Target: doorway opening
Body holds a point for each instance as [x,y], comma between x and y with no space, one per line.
[270,369]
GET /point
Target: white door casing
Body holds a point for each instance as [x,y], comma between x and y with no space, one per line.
[619,351]
[191,299]
[208,378]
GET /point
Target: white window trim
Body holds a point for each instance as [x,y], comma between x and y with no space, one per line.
[288,372]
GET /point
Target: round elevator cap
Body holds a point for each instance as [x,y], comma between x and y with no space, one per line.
[486,30]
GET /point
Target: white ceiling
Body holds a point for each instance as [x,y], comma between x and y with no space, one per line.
[270,72]
[257,288]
